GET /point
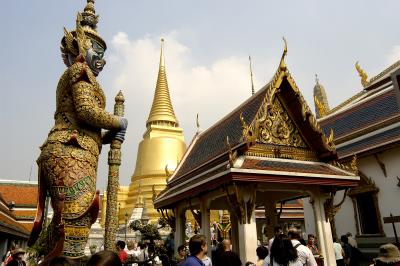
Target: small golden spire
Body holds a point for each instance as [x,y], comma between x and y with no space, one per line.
[363,75]
[282,64]
[197,123]
[251,76]
[162,111]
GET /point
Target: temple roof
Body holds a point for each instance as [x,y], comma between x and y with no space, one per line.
[272,137]
[369,120]
[8,223]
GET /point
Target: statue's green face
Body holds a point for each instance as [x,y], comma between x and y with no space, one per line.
[94,57]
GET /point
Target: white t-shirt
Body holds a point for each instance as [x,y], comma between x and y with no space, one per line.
[305,255]
[338,251]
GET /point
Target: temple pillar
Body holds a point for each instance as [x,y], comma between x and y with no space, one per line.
[247,236]
[324,233]
[234,234]
[271,217]
[205,221]
[180,221]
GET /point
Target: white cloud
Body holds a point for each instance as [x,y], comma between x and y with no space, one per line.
[211,90]
[394,55]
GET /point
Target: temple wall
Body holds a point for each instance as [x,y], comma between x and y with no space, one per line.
[388,195]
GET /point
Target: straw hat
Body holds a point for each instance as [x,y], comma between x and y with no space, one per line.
[388,253]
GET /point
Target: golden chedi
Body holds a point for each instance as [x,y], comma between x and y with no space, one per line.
[160,150]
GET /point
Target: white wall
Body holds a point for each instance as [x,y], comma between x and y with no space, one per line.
[344,219]
[309,221]
[389,194]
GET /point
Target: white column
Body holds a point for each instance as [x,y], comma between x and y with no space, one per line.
[179,227]
[323,227]
[205,221]
[248,241]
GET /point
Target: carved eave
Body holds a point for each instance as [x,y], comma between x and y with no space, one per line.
[283,93]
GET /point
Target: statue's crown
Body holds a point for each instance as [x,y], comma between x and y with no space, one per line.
[89,17]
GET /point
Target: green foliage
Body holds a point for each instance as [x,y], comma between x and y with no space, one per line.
[162,222]
[148,231]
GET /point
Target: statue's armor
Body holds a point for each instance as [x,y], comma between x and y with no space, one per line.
[69,156]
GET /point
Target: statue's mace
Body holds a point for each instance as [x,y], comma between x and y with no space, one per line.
[114,161]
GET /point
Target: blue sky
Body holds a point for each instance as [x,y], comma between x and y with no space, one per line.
[207,45]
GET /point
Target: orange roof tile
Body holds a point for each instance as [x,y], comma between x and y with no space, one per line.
[21,194]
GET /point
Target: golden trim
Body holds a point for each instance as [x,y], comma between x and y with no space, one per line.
[283,152]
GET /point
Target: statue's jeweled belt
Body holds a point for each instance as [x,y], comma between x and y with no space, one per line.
[69,156]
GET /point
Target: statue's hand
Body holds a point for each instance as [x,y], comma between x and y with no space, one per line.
[120,135]
[123,123]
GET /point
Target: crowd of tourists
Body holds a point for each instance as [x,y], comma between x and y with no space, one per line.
[284,249]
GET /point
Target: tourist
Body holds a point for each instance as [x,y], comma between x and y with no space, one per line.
[311,244]
[216,252]
[277,231]
[207,261]
[389,254]
[347,249]
[337,248]
[228,257]
[352,241]
[282,253]
[197,249]
[8,256]
[249,263]
[104,258]
[143,255]
[17,258]
[181,257]
[305,255]
[262,253]
[121,251]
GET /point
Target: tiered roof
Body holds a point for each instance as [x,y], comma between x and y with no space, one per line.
[23,196]
[8,222]
[370,120]
[271,137]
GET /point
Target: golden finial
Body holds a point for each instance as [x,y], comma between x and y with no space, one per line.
[120,97]
[363,75]
[161,109]
[321,110]
[330,139]
[316,79]
[282,64]
[162,60]
[197,123]
[251,76]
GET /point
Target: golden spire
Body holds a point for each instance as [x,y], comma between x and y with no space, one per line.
[162,112]
[251,76]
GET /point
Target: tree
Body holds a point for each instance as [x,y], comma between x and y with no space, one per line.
[148,231]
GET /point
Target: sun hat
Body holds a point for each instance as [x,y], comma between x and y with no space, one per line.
[388,253]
